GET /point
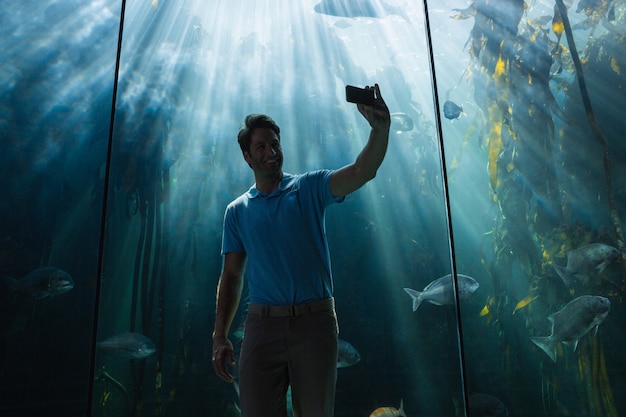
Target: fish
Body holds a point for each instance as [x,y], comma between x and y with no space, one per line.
[128,345]
[347,355]
[357,8]
[451,110]
[389,411]
[573,321]
[484,311]
[43,283]
[524,302]
[401,122]
[485,405]
[587,260]
[441,290]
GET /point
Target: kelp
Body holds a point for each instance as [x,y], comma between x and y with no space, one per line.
[595,127]
[512,73]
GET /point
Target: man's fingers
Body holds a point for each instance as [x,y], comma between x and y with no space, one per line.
[219,363]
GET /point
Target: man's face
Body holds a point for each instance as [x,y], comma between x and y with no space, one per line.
[265,155]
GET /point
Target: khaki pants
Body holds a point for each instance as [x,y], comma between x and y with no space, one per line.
[297,349]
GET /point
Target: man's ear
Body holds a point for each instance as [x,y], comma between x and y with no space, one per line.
[246,156]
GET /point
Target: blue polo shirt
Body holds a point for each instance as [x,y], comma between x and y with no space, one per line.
[284,237]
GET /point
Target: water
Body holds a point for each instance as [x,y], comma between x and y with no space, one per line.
[525,173]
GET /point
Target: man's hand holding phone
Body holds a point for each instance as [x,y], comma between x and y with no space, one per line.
[370,104]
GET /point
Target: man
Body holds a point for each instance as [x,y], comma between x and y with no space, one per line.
[275,231]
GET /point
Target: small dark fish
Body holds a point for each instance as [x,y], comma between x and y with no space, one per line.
[347,355]
[400,122]
[451,110]
[586,261]
[441,290]
[43,283]
[485,405]
[128,346]
[357,8]
[573,321]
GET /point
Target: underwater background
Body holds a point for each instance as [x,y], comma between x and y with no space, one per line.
[505,169]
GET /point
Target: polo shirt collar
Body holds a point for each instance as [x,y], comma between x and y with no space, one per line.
[253,192]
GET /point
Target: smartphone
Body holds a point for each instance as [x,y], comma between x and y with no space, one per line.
[360,95]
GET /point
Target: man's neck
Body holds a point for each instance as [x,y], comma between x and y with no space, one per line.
[267,184]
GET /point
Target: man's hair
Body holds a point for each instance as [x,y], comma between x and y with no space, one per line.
[252,122]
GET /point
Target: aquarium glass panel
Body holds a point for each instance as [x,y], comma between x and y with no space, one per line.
[190,71]
[56,78]
[530,97]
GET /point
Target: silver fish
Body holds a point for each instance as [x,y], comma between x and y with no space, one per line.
[128,346]
[573,321]
[347,355]
[43,282]
[586,261]
[441,290]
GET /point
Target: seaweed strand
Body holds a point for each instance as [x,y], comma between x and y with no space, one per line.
[595,128]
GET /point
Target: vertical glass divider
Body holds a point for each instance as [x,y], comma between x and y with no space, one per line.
[444,181]
[105,198]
